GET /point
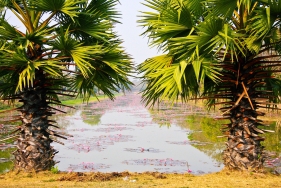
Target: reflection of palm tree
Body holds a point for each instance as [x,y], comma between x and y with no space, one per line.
[91,114]
[61,119]
[160,117]
[165,114]
[92,119]
[205,130]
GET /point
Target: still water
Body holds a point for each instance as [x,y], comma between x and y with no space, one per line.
[126,136]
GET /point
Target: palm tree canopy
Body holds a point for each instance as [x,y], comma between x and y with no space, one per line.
[205,42]
[72,41]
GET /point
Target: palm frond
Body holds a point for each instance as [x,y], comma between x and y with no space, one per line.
[164,79]
[68,7]
[173,20]
[220,8]
[74,38]
[8,32]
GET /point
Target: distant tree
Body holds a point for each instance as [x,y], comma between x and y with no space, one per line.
[64,44]
[225,51]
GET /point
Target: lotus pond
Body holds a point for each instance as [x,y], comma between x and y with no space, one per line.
[123,135]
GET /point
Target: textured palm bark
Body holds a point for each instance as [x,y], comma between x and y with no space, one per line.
[246,88]
[244,150]
[34,151]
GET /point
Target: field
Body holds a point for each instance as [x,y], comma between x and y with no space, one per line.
[223,179]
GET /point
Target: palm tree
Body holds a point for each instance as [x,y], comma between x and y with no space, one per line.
[225,51]
[65,47]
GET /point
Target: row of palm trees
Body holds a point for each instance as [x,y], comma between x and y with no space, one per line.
[224,51]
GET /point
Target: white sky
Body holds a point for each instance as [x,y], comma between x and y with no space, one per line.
[135,45]
[130,31]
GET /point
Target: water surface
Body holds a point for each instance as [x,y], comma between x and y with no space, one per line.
[125,136]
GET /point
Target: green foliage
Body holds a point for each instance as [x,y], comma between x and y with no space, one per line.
[73,43]
[205,43]
[63,48]
[55,169]
[229,54]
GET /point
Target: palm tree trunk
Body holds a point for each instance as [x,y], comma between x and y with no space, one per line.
[34,151]
[244,150]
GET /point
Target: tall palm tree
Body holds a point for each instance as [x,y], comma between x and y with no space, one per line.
[225,51]
[64,47]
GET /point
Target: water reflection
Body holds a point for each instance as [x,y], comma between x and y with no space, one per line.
[124,135]
[272,141]
[202,128]
[6,159]
[129,137]
[206,130]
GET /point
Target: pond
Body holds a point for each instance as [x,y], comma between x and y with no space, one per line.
[126,136]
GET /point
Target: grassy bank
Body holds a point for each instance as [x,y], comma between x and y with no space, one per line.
[223,179]
[77,101]
[69,102]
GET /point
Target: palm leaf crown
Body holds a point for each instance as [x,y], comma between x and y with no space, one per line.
[72,41]
[206,44]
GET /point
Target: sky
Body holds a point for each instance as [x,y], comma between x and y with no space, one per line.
[129,31]
[135,45]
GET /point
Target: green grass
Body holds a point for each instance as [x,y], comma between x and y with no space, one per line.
[78,101]
[55,170]
[69,102]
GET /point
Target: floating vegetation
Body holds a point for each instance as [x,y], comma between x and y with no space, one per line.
[87,166]
[142,150]
[186,142]
[157,162]
[97,143]
[112,129]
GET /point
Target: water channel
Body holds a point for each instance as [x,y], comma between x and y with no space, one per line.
[124,135]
